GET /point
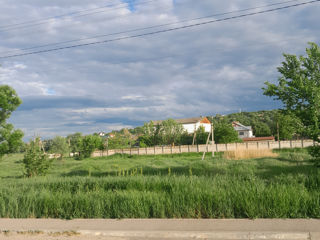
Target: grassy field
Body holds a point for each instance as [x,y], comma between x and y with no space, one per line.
[164,186]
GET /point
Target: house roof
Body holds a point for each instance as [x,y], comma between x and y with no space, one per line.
[187,120]
[255,139]
[240,127]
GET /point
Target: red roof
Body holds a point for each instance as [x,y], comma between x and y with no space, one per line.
[255,139]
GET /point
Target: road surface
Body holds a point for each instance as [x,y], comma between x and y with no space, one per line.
[132,229]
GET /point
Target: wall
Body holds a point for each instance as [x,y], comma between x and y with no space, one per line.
[190,127]
[204,148]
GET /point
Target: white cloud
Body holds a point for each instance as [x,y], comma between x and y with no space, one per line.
[216,68]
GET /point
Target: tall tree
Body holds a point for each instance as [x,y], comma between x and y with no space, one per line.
[10,139]
[60,146]
[171,131]
[299,88]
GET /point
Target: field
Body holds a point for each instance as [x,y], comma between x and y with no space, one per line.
[164,186]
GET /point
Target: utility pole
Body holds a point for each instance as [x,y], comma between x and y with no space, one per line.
[212,136]
[194,135]
[278,132]
[204,153]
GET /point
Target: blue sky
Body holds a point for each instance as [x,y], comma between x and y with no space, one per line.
[217,68]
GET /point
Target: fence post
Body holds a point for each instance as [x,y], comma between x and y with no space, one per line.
[236,146]
[171,149]
[130,151]
[268,144]
[180,148]
[257,145]
[162,149]
[217,147]
[138,151]
[279,144]
[290,143]
[197,147]
[146,151]
[302,145]
[154,150]
[247,145]
[188,148]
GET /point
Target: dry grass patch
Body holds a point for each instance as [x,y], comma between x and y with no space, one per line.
[248,154]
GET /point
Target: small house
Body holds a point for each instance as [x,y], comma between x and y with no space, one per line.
[243,131]
[192,124]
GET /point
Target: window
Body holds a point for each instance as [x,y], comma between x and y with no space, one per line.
[241,133]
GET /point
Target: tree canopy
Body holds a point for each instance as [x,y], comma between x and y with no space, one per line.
[298,88]
[10,139]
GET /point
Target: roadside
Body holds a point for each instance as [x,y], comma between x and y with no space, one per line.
[100,229]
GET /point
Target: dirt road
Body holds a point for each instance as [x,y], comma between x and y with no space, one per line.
[100,229]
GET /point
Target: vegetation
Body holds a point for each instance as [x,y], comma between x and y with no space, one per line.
[35,161]
[10,139]
[266,123]
[225,133]
[299,90]
[59,146]
[168,132]
[164,186]
[88,144]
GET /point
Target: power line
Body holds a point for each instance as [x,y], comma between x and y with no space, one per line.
[54,17]
[33,23]
[161,31]
[146,28]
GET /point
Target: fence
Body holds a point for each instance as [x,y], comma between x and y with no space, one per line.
[204,148]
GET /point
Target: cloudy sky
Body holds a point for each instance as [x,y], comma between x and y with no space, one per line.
[205,70]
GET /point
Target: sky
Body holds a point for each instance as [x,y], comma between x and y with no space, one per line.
[216,68]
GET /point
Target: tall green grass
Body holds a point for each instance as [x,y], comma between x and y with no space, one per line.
[165,187]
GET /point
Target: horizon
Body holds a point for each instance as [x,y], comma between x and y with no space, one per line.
[217,68]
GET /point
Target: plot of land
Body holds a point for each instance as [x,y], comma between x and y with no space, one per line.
[164,186]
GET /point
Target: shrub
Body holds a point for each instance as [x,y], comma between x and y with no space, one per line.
[315,153]
[35,161]
[88,145]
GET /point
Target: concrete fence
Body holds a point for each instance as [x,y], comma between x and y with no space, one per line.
[204,148]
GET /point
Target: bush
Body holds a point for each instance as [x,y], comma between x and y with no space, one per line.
[315,153]
[35,161]
[225,133]
[88,145]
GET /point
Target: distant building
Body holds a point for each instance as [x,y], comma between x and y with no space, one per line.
[192,124]
[258,139]
[243,131]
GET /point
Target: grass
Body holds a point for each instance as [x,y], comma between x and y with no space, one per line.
[248,154]
[164,186]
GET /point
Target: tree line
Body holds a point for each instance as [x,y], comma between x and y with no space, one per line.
[298,89]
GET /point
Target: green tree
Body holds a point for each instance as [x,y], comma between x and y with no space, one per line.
[75,141]
[60,146]
[152,134]
[225,133]
[298,89]
[261,129]
[171,132]
[36,162]
[201,135]
[10,139]
[289,126]
[89,143]
[119,141]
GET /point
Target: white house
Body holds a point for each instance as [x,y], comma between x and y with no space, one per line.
[192,124]
[243,131]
